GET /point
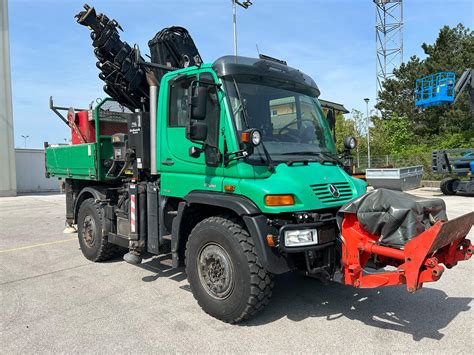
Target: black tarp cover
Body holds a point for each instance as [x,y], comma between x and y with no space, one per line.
[395,216]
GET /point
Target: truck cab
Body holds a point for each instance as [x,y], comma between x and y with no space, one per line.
[297,154]
[233,170]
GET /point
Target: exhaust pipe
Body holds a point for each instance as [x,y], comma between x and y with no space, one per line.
[153,83]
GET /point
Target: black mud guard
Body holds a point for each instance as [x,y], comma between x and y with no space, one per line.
[96,191]
[99,193]
[239,204]
[253,218]
[271,258]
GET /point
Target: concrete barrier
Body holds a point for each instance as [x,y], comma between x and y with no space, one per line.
[430,183]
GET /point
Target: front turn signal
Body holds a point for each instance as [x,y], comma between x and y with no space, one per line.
[279,200]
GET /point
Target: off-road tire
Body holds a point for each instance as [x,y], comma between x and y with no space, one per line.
[100,249]
[252,286]
[446,186]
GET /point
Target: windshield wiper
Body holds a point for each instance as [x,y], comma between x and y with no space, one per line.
[328,157]
[299,153]
[304,161]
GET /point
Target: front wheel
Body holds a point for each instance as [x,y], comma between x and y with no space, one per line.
[224,272]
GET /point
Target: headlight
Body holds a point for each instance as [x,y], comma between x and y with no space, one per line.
[296,238]
[350,143]
[256,137]
[252,137]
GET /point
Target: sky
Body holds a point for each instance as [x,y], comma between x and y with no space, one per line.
[331,40]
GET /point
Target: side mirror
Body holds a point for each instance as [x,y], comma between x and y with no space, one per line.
[196,131]
[350,143]
[199,103]
[194,152]
[211,154]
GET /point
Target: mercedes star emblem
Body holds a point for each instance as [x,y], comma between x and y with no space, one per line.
[334,191]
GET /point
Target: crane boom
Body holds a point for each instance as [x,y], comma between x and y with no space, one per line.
[465,82]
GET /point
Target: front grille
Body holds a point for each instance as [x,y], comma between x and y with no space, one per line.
[322,192]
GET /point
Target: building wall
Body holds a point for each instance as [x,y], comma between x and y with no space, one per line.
[30,172]
[7,155]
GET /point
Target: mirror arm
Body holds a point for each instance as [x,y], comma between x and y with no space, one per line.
[197,142]
[210,83]
[239,154]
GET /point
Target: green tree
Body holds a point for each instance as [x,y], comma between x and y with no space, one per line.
[351,127]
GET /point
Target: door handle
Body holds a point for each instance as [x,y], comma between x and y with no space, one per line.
[168,162]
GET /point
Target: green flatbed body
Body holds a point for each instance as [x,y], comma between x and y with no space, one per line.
[76,161]
[79,161]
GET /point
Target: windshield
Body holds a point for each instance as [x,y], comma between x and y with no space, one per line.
[290,119]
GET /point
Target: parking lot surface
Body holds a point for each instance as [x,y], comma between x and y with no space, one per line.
[54,300]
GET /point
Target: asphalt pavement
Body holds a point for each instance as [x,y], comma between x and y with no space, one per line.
[53,300]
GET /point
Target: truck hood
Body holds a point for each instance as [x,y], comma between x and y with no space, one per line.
[310,184]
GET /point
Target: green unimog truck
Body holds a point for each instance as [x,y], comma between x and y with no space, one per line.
[231,167]
[245,181]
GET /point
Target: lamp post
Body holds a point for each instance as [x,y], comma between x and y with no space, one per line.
[368,131]
[245,5]
[25,138]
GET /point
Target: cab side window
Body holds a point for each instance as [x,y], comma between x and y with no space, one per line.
[178,113]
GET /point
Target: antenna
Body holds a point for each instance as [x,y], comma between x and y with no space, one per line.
[258,51]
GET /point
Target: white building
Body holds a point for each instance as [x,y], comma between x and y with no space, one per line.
[7,155]
[30,172]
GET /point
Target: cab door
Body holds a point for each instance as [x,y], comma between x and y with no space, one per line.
[180,172]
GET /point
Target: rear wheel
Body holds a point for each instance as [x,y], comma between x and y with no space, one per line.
[224,272]
[94,244]
[447,186]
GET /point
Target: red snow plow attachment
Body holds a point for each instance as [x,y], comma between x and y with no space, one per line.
[419,261]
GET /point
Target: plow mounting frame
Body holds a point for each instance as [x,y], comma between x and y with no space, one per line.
[418,262]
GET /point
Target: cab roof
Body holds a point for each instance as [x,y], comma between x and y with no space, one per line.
[236,65]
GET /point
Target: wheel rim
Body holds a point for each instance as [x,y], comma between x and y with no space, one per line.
[216,271]
[88,231]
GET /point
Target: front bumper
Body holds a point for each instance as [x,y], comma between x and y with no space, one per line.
[280,259]
[326,236]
